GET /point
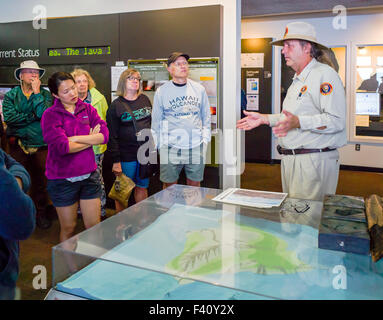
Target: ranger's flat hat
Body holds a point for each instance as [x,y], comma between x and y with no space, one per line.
[29,64]
[299,31]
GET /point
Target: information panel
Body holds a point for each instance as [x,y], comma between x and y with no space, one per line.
[206,73]
[153,74]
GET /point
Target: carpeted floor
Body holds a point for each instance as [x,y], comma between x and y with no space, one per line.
[37,250]
[354,183]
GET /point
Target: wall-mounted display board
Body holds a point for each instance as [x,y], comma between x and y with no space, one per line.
[205,71]
[256,80]
[153,74]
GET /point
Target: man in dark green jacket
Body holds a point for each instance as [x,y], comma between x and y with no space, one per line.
[23,108]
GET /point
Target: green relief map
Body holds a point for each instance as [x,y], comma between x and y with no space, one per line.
[255,251]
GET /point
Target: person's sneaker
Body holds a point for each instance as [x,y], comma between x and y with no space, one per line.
[43,222]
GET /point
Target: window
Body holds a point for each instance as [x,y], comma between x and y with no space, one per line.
[368,100]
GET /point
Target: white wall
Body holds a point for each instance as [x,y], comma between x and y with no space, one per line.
[23,10]
[360,29]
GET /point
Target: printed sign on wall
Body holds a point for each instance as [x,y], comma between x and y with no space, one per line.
[252,86]
[252,102]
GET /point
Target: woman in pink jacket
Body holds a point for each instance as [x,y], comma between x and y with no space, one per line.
[70,128]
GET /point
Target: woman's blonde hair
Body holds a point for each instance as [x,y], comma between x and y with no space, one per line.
[121,86]
[79,72]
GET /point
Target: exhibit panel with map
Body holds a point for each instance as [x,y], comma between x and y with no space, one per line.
[180,244]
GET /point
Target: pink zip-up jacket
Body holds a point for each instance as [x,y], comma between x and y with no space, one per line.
[57,125]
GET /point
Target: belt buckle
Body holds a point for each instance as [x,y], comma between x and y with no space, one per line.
[293,151]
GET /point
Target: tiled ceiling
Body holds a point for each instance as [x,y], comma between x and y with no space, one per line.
[256,8]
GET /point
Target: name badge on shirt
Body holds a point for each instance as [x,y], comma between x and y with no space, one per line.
[302,91]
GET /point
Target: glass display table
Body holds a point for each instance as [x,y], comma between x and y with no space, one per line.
[180,244]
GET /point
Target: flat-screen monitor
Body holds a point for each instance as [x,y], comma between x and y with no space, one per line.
[367,103]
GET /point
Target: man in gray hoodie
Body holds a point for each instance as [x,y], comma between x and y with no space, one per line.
[181,124]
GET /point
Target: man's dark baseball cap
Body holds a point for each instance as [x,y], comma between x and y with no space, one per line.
[173,57]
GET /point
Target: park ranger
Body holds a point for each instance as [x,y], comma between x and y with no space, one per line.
[312,125]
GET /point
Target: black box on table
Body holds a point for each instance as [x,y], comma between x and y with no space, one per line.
[343,225]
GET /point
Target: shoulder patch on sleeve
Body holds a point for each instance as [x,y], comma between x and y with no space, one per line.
[325,88]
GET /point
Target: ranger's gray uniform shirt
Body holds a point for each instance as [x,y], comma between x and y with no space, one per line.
[317,97]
